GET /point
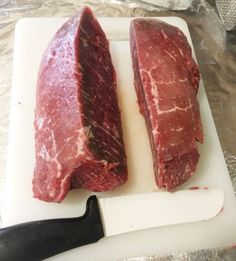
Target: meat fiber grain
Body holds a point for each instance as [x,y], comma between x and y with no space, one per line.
[166,80]
[78,133]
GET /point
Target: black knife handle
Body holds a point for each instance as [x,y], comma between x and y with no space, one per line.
[41,239]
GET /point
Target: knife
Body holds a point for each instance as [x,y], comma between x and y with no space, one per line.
[37,240]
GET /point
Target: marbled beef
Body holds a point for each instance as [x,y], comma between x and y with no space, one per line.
[78,131]
[166,83]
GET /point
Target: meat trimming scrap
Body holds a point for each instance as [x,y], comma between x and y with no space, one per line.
[166,80]
[78,134]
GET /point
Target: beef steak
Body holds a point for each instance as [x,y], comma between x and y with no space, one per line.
[78,135]
[166,80]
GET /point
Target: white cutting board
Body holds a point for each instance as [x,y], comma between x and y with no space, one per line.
[32,37]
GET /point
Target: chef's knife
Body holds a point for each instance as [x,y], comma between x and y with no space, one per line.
[107,217]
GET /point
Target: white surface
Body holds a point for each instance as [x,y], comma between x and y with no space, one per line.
[32,37]
[122,214]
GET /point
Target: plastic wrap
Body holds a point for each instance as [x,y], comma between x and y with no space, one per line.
[159,5]
[214,47]
[227,13]
[200,255]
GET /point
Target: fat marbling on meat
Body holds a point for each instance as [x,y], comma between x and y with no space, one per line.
[78,134]
[166,80]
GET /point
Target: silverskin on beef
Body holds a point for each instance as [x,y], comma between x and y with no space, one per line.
[78,133]
[166,80]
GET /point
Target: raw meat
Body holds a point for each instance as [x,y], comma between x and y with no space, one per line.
[78,131]
[166,80]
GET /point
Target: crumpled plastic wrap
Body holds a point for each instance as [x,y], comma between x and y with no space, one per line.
[227,13]
[160,5]
[200,255]
[214,46]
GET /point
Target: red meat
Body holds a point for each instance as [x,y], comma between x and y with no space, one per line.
[166,83]
[78,133]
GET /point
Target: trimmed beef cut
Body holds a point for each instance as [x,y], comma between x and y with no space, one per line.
[166,82]
[78,131]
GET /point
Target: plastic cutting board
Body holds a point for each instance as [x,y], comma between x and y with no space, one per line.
[31,38]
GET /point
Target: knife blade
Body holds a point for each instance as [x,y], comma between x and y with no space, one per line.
[37,240]
[143,211]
